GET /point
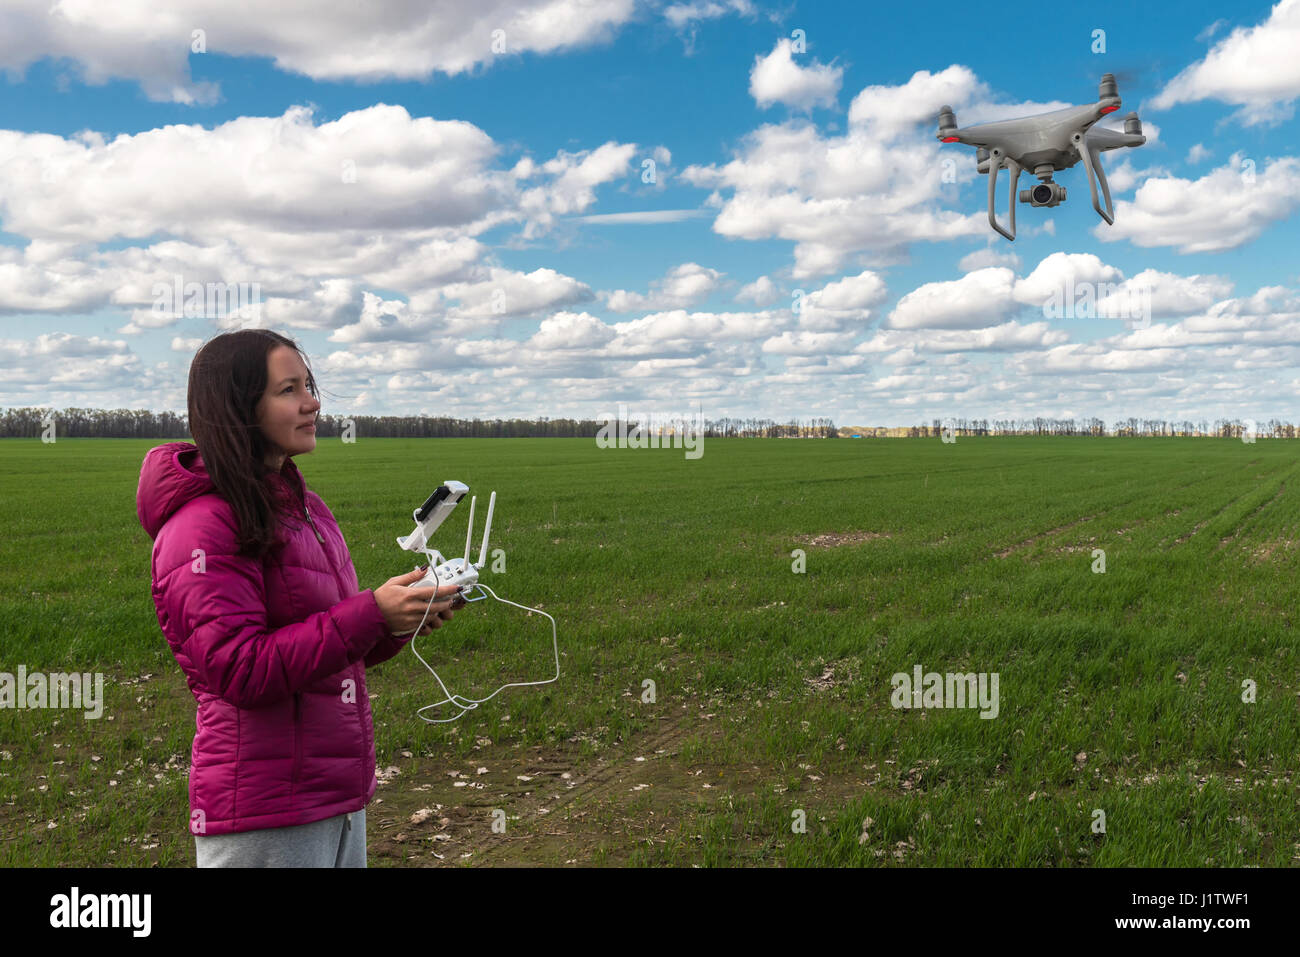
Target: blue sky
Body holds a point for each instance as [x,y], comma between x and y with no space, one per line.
[464,268]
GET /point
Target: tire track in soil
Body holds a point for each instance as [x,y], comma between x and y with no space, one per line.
[1008,552]
[1183,539]
[595,784]
[1241,526]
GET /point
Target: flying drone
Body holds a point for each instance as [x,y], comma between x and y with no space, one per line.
[1044,144]
[463,574]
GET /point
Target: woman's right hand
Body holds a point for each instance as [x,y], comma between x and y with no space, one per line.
[403,606]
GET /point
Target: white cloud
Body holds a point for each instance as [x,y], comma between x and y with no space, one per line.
[1255,68]
[1208,33]
[685,17]
[313,214]
[684,14]
[1227,207]
[843,304]
[383,39]
[983,258]
[682,327]
[1197,154]
[895,110]
[1124,177]
[60,370]
[978,299]
[1007,337]
[643,216]
[870,191]
[683,286]
[567,330]
[777,78]
[1170,295]
[505,293]
[1079,358]
[809,343]
[373,169]
[1059,271]
[761,292]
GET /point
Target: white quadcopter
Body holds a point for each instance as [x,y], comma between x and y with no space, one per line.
[461,573]
[1046,143]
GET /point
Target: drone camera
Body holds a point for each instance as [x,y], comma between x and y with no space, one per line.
[1044,194]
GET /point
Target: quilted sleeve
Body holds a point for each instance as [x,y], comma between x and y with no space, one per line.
[215,600]
[385,648]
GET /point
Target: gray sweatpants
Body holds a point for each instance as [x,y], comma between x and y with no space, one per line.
[334,842]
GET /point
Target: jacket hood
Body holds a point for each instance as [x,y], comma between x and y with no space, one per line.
[174,474]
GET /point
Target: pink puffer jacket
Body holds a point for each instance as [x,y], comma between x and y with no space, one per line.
[274,651]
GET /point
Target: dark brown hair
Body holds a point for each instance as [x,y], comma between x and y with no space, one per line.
[227,381]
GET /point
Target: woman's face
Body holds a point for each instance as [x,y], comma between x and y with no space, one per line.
[287,406]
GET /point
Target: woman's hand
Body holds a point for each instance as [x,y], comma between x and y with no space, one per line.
[404,607]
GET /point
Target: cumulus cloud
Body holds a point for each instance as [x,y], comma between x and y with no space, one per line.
[373,169]
[842,304]
[59,369]
[1125,176]
[985,296]
[978,299]
[1082,358]
[1060,271]
[384,39]
[1226,208]
[870,191]
[983,258]
[906,347]
[508,294]
[761,292]
[311,213]
[1169,295]
[1255,68]
[777,78]
[808,343]
[683,286]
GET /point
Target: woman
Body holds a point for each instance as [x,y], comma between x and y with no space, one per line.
[258,600]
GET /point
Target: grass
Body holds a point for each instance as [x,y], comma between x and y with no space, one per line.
[1121,691]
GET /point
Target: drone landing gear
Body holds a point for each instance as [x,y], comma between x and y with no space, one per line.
[997,158]
[1092,164]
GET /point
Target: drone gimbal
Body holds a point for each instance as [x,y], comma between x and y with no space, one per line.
[1046,143]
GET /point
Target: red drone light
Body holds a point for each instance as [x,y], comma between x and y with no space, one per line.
[950,139]
[1109,109]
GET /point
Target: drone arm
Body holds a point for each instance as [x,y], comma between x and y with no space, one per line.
[1092,164]
[995,162]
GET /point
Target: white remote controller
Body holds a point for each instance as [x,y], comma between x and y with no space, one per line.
[455,572]
[458,571]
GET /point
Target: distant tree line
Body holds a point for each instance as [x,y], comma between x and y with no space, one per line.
[145,424]
[93,423]
[1150,428]
[141,424]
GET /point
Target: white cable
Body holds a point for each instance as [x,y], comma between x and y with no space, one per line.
[469,704]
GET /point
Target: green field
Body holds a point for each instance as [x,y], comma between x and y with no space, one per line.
[1120,692]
